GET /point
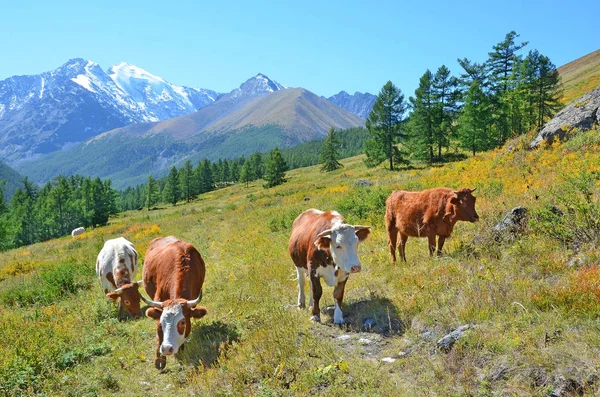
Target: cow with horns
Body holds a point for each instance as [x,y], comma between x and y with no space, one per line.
[431,213]
[323,246]
[116,267]
[173,276]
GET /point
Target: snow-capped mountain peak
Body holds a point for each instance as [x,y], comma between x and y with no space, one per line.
[256,86]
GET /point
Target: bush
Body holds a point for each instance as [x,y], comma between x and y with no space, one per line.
[365,204]
[47,288]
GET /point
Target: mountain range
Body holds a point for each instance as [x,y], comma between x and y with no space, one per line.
[360,104]
[125,122]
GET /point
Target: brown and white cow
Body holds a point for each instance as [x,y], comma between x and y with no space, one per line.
[173,276]
[116,267]
[429,213]
[323,246]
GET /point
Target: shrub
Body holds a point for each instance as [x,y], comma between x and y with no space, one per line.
[364,204]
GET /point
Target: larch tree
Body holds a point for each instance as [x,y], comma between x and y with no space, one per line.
[275,169]
[473,122]
[445,94]
[171,193]
[385,123]
[422,118]
[152,192]
[329,152]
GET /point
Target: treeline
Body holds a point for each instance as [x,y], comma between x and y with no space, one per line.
[189,181]
[509,94]
[37,214]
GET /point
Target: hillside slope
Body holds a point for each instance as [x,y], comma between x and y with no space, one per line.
[233,126]
[12,179]
[580,76]
[531,300]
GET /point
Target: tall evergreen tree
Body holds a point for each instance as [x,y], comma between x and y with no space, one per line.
[152,192]
[473,123]
[186,181]
[422,118]
[171,190]
[548,91]
[205,176]
[246,172]
[445,95]
[258,165]
[275,169]
[329,152]
[385,127]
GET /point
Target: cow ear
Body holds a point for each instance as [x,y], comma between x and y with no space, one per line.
[112,295]
[198,312]
[362,232]
[323,242]
[154,313]
[454,199]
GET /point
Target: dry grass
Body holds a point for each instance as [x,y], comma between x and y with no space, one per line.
[535,317]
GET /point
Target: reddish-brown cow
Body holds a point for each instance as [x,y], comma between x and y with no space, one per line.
[429,213]
[173,275]
[323,246]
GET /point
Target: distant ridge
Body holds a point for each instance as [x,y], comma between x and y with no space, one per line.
[580,76]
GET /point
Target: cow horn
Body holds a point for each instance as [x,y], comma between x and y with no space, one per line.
[325,233]
[195,301]
[151,303]
[141,282]
[472,190]
[118,290]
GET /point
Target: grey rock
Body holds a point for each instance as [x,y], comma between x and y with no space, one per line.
[582,114]
[445,344]
[363,183]
[513,223]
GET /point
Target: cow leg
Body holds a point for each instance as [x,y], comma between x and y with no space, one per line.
[317,291]
[393,238]
[431,239]
[441,240]
[403,239]
[338,296]
[160,361]
[301,281]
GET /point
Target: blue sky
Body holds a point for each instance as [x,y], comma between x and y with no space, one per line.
[324,46]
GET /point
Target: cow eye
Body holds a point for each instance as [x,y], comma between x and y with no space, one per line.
[126,302]
[181,323]
[338,247]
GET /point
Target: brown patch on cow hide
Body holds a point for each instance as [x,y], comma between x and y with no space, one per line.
[111,279]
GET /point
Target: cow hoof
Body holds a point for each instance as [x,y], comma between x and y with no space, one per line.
[300,307]
[316,319]
[160,362]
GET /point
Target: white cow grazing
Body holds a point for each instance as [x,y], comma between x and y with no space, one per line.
[116,267]
[77,232]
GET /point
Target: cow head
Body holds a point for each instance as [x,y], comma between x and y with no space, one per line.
[342,241]
[173,317]
[461,206]
[130,298]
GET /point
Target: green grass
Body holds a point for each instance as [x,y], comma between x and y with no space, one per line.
[535,316]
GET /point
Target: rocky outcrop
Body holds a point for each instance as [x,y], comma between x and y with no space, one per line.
[512,225]
[582,114]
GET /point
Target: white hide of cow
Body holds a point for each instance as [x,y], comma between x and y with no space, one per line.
[77,232]
[116,264]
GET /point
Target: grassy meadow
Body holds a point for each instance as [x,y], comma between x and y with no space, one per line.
[533,300]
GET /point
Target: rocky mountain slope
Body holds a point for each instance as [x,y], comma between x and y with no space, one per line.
[44,113]
[360,104]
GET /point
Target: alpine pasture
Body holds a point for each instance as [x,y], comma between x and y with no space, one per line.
[532,301]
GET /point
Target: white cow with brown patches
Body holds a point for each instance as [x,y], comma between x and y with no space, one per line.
[116,267]
[322,246]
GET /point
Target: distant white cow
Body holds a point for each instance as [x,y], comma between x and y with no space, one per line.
[77,232]
[116,267]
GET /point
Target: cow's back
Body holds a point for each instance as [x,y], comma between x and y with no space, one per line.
[305,229]
[173,269]
[413,213]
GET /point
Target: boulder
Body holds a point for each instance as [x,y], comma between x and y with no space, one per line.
[513,224]
[582,114]
[445,344]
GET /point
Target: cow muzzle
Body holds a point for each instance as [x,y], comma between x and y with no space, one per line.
[475,218]
[167,349]
[355,269]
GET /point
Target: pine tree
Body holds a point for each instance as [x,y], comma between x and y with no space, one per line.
[422,118]
[246,172]
[171,190]
[186,181]
[329,152]
[445,95]
[385,127]
[275,169]
[473,123]
[204,176]
[151,192]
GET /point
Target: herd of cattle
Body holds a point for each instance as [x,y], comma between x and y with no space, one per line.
[321,246]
